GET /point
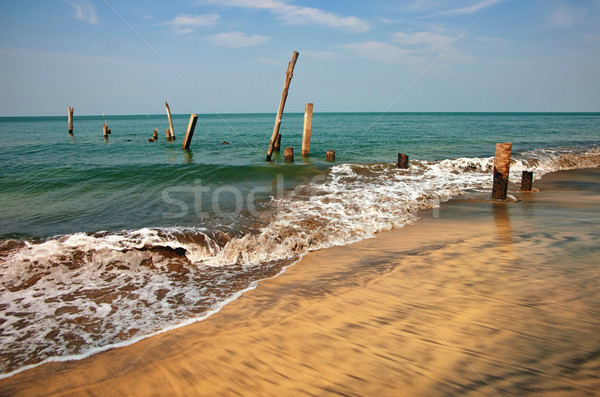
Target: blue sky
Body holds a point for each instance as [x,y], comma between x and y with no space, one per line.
[229,56]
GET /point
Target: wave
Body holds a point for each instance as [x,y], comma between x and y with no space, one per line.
[74,295]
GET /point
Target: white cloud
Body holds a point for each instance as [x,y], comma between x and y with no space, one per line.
[237,39]
[297,15]
[381,52]
[186,23]
[565,17]
[430,40]
[84,11]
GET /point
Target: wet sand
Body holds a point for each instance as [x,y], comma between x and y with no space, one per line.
[478,298]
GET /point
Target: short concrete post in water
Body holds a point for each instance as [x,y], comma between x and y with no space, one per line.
[190,131]
[308,112]
[288,154]
[501,170]
[526,181]
[402,160]
[276,137]
[330,155]
[70,114]
[170,121]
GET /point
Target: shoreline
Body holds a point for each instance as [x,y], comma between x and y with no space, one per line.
[313,328]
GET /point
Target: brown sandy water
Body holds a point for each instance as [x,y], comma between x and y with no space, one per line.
[478,298]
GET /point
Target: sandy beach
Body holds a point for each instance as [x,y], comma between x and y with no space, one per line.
[476,298]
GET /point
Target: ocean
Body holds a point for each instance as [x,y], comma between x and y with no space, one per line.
[106,242]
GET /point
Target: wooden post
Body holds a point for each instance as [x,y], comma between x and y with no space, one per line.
[402,160]
[105,130]
[155,134]
[308,111]
[70,120]
[168,133]
[526,181]
[288,154]
[276,137]
[330,155]
[170,122]
[190,131]
[501,170]
[277,146]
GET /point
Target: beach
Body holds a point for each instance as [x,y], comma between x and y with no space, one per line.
[475,298]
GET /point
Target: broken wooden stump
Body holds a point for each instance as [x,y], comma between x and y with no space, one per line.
[288,154]
[190,131]
[527,181]
[276,137]
[402,161]
[501,170]
[330,155]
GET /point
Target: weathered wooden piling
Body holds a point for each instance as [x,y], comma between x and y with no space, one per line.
[277,145]
[501,170]
[105,130]
[170,121]
[190,131]
[330,155]
[168,134]
[526,181]
[70,116]
[276,137]
[308,112]
[288,154]
[155,134]
[402,160]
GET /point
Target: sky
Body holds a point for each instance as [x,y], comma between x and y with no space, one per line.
[230,56]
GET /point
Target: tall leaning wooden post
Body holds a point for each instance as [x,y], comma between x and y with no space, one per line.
[308,111]
[70,120]
[288,77]
[170,121]
[501,170]
[190,131]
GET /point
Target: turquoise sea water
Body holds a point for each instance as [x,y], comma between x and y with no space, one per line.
[52,183]
[105,242]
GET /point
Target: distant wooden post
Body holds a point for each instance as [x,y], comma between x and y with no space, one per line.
[288,77]
[105,130]
[402,160]
[308,111]
[168,133]
[170,121]
[501,170]
[190,131]
[70,120]
[330,155]
[526,181]
[288,154]
[155,134]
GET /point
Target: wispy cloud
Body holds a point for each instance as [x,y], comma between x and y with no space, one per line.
[409,48]
[84,11]
[186,23]
[381,52]
[471,9]
[564,16]
[237,39]
[429,40]
[297,15]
